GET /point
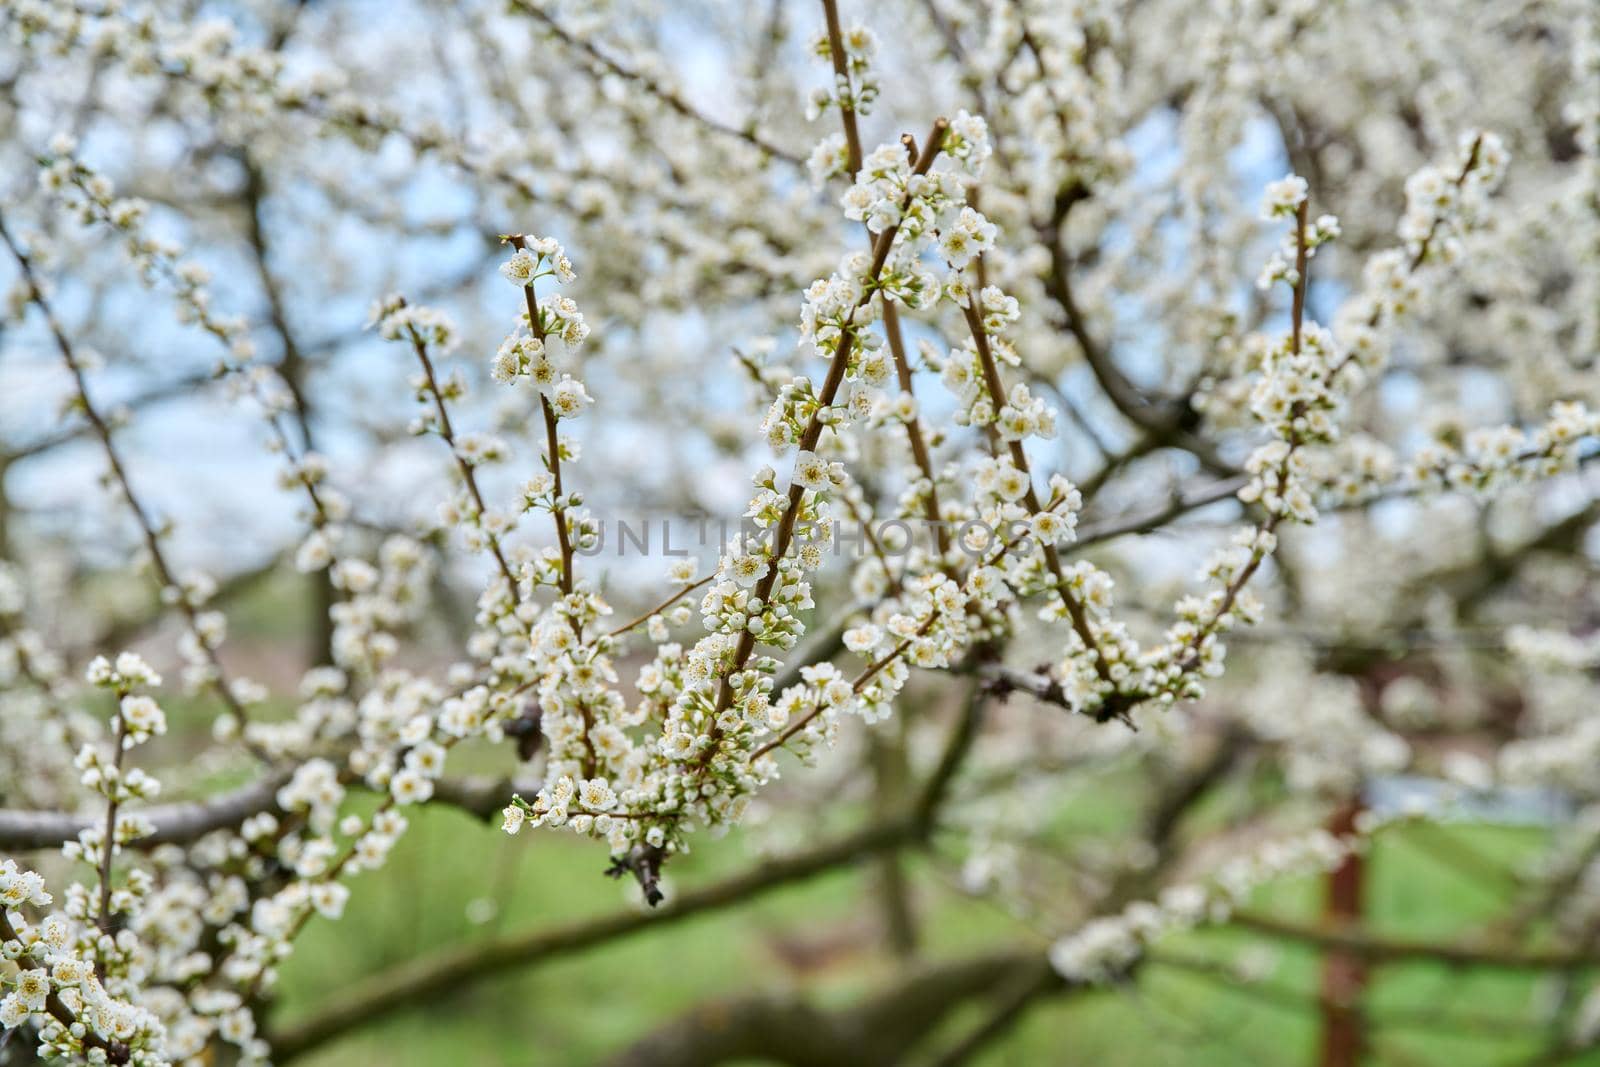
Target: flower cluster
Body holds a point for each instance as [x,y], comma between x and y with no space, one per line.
[1103,949]
[855,88]
[1446,204]
[1490,458]
[396,320]
[81,968]
[1108,270]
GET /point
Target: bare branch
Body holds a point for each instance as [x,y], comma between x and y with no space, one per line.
[1383,949]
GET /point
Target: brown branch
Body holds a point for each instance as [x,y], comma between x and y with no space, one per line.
[1420,256]
[812,434]
[1345,976]
[663,606]
[871,671]
[468,476]
[887,758]
[879,1030]
[108,847]
[873,543]
[1381,949]
[155,394]
[661,92]
[1180,504]
[481,798]
[1011,1004]
[423,980]
[186,822]
[292,372]
[118,633]
[1166,425]
[957,747]
[178,824]
[768,1028]
[821,645]
[116,1052]
[1041,687]
[841,72]
[552,440]
[1019,459]
[102,431]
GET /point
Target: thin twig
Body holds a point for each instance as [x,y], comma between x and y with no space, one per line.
[152,540]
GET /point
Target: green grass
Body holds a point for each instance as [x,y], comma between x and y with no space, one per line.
[568,1011]
[575,1010]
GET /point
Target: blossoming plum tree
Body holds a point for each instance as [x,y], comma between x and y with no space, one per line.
[1096,390]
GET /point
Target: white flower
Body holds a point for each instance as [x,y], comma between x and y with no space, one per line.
[33,988]
[570,398]
[238,1027]
[595,794]
[520,268]
[514,818]
[427,759]
[409,787]
[505,365]
[811,471]
[748,569]
[1011,483]
[968,142]
[143,717]
[957,247]
[329,899]
[1049,528]
[862,638]
[13,1013]
[314,553]
[830,158]
[1283,197]
[677,746]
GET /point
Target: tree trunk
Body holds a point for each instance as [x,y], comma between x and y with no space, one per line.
[1344,974]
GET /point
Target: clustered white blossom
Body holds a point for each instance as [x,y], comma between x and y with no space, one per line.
[83,967]
[855,90]
[1103,949]
[937,325]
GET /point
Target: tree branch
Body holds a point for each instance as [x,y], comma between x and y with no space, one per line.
[174,823]
[877,1031]
[425,979]
[1379,949]
[420,980]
